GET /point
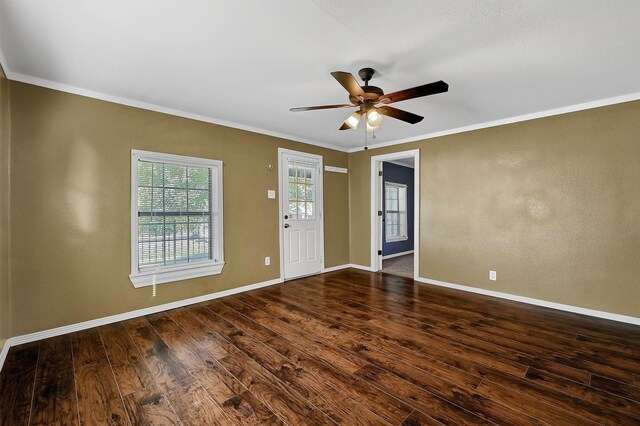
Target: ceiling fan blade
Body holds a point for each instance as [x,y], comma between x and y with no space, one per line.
[349,82]
[415,92]
[399,114]
[352,121]
[311,108]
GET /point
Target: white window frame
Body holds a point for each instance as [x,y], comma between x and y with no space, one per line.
[166,274]
[404,229]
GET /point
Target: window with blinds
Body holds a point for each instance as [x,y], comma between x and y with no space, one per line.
[395,199]
[176,217]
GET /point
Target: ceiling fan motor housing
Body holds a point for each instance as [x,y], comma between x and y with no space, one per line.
[371,93]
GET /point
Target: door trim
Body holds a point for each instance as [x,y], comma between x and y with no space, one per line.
[319,203]
[376,204]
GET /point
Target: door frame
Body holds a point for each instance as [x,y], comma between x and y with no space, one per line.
[319,203]
[376,205]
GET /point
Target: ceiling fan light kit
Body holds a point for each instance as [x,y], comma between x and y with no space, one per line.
[366,98]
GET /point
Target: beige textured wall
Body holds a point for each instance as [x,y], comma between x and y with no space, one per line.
[4,208]
[70,170]
[552,204]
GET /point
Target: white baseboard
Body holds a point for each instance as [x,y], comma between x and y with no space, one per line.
[335,268]
[402,253]
[347,265]
[4,352]
[364,268]
[32,337]
[537,302]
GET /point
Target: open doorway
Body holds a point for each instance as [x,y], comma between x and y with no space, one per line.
[394,213]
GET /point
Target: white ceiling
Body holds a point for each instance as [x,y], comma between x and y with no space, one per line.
[245,63]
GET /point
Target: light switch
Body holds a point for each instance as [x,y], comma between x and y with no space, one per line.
[271,193]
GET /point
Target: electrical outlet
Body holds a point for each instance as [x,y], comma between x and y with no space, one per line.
[267,261]
[493,275]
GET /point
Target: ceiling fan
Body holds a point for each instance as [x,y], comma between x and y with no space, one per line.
[367,97]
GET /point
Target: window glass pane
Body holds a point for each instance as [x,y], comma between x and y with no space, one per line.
[175,176]
[198,200]
[157,176]
[175,200]
[199,177]
[145,171]
[157,199]
[292,171]
[144,199]
[292,191]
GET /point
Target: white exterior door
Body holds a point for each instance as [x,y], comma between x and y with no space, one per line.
[301,223]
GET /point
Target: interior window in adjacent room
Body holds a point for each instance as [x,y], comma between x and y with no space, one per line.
[395,201]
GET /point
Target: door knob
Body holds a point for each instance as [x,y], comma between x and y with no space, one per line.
[286,225]
[286,216]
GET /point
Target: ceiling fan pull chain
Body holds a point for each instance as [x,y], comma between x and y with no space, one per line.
[365,130]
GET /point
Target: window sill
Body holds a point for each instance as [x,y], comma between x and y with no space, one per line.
[144,279]
[395,240]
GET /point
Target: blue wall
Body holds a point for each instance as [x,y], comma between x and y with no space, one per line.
[399,174]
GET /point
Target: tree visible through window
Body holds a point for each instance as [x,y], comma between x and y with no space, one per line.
[395,196]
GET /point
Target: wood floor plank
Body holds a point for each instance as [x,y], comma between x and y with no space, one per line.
[17,382]
[166,369]
[87,347]
[219,383]
[246,409]
[186,350]
[54,399]
[347,347]
[286,404]
[99,400]
[146,408]
[618,388]
[131,372]
[194,406]
[416,418]
[209,341]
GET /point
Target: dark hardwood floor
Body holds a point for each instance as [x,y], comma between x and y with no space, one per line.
[348,347]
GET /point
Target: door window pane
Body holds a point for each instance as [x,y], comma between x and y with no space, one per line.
[301,194]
